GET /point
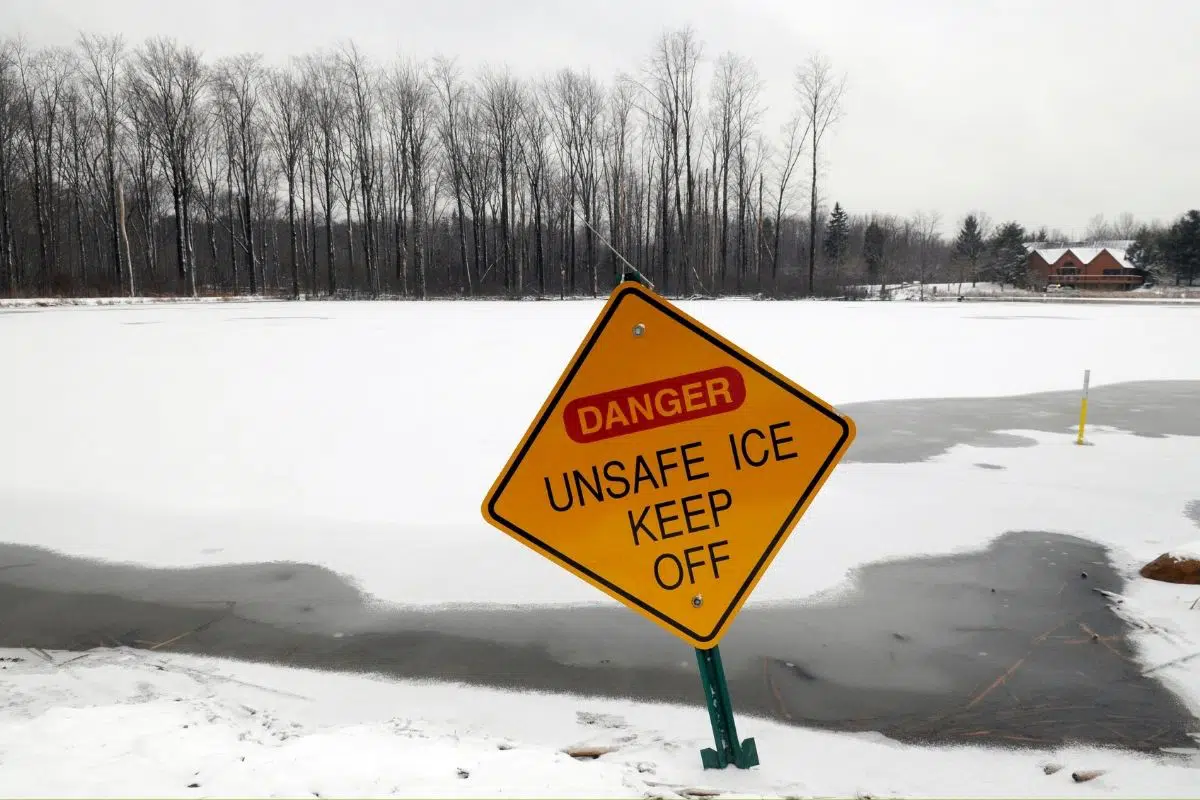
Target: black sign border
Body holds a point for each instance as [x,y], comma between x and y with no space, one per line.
[554,405]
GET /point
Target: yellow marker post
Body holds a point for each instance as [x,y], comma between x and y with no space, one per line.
[1087,376]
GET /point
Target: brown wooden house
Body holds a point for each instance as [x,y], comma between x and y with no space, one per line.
[1083,268]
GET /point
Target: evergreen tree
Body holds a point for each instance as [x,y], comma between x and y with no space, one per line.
[837,238]
[1182,247]
[1147,251]
[874,240]
[1007,257]
[968,248]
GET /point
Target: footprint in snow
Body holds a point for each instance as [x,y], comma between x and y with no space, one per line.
[602,720]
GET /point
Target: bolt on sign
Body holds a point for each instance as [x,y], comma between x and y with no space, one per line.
[667,467]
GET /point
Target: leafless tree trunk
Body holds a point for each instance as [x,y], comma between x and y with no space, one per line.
[416,98]
[78,136]
[672,82]
[400,176]
[125,237]
[347,185]
[359,82]
[502,106]
[238,85]
[328,108]
[821,100]
[142,160]
[925,225]
[311,157]
[797,131]
[452,95]
[169,81]
[616,161]
[288,127]
[39,105]
[8,141]
[534,135]
[746,155]
[734,115]
[576,105]
[104,58]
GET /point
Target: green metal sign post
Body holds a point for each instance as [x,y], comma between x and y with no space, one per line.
[728,750]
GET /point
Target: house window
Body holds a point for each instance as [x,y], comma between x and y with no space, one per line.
[1112,272]
[1065,270]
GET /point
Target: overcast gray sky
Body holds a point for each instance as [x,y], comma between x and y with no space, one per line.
[1043,111]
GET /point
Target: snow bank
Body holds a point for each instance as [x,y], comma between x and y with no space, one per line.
[135,724]
[1187,551]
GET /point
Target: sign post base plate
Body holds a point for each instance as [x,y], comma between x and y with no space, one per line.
[742,754]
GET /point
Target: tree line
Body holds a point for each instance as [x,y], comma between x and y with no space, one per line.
[147,170]
[1167,252]
[893,250]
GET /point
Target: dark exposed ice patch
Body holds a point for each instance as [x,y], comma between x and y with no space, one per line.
[933,426]
[1006,645]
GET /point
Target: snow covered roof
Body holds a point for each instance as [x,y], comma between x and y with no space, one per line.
[1050,255]
[1086,255]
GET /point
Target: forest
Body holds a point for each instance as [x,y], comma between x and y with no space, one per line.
[147,170]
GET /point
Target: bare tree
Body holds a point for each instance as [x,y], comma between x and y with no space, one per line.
[821,100]
[479,174]
[392,111]
[501,104]
[104,58]
[75,143]
[925,224]
[618,130]
[168,81]
[797,131]
[575,106]
[345,180]
[327,109]
[239,83]
[589,123]
[559,99]
[747,154]
[733,115]
[452,94]
[359,79]
[1098,229]
[416,98]
[43,80]
[535,158]
[1125,226]
[288,125]
[672,83]
[9,84]
[140,154]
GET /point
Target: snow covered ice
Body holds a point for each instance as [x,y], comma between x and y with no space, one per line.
[361,437]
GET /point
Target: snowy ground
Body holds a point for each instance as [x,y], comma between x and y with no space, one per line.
[915,290]
[363,437]
[136,724]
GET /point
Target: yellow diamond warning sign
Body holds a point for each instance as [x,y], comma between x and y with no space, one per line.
[667,466]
